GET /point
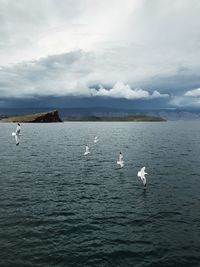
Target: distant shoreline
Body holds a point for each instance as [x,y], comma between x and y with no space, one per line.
[127,118]
[53,116]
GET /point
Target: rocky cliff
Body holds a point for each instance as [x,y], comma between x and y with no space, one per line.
[50,116]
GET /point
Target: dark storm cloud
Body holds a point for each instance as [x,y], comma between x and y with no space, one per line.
[64,75]
[127,49]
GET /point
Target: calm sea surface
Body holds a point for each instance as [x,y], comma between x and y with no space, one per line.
[59,208]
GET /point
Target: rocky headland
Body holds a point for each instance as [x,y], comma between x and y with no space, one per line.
[50,116]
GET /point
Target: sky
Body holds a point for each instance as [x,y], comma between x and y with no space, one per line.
[143,53]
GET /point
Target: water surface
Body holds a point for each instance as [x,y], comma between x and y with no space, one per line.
[59,208]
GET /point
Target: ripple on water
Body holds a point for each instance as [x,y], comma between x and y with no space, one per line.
[58,208]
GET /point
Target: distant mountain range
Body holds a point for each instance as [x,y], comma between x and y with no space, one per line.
[167,114]
[115,118]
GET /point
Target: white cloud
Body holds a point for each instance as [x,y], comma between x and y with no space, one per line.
[190,98]
[193,93]
[121,90]
[183,101]
[30,30]
[146,32]
[157,94]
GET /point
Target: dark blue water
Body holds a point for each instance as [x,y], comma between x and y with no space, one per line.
[58,208]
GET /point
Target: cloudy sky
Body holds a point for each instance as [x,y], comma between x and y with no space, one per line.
[142,51]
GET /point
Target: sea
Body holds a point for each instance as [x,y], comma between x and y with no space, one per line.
[61,208]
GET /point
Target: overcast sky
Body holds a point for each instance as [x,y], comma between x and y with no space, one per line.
[117,49]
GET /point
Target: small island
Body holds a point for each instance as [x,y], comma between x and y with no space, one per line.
[50,116]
